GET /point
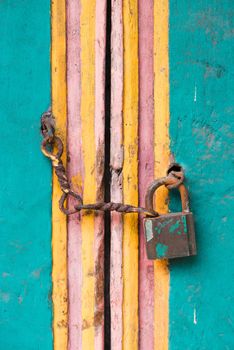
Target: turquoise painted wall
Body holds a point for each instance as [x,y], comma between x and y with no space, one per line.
[25,200]
[202,139]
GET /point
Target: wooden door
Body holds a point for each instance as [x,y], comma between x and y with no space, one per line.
[134,85]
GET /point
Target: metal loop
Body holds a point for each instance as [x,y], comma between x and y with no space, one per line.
[170,182]
[47,124]
[62,205]
[175,173]
[55,142]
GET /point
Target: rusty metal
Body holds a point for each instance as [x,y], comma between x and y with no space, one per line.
[171,235]
[52,142]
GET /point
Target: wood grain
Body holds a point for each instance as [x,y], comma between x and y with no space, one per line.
[162,153]
[130,174]
[86,32]
[99,124]
[92,36]
[146,166]
[59,225]
[116,163]
[75,171]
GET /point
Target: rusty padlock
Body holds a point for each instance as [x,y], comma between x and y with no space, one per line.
[170,235]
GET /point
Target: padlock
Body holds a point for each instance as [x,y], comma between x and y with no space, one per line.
[170,235]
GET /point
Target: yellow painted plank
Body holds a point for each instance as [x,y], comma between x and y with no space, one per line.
[130,174]
[162,154]
[59,225]
[87,40]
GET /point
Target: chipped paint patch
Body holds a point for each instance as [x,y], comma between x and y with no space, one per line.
[148,230]
[5,274]
[5,297]
[160,225]
[184,222]
[161,250]
[174,227]
[194,316]
[36,273]
[195,94]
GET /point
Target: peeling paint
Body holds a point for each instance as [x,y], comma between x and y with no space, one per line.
[148,230]
[194,316]
[5,297]
[195,94]
[161,250]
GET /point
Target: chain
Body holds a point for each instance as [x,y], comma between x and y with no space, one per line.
[51,142]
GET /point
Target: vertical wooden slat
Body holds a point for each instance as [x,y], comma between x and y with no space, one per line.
[146,165]
[116,163]
[161,142]
[59,226]
[92,39]
[130,174]
[87,38]
[75,170]
[86,30]
[99,120]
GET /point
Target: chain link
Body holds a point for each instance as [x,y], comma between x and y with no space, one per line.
[51,142]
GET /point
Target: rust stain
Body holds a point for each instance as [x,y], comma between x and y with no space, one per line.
[76,181]
[62,324]
[100,172]
[86,324]
[99,284]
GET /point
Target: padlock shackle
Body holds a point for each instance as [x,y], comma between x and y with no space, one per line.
[149,197]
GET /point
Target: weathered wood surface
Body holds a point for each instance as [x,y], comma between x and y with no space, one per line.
[152,134]
[59,221]
[99,129]
[162,159]
[116,163]
[146,166]
[130,174]
[134,298]
[86,32]
[201,129]
[75,171]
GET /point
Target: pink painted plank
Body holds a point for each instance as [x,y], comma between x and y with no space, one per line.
[100,49]
[75,172]
[146,166]
[116,282]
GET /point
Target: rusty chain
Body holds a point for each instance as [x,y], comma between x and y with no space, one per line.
[52,147]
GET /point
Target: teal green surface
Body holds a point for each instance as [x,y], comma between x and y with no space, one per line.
[174,227]
[25,178]
[202,137]
[161,250]
[160,225]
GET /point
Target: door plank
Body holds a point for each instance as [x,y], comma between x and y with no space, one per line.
[130,174]
[59,224]
[86,32]
[116,164]
[75,172]
[162,152]
[146,166]
[99,124]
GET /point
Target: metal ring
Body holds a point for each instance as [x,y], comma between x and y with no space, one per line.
[47,153]
[160,182]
